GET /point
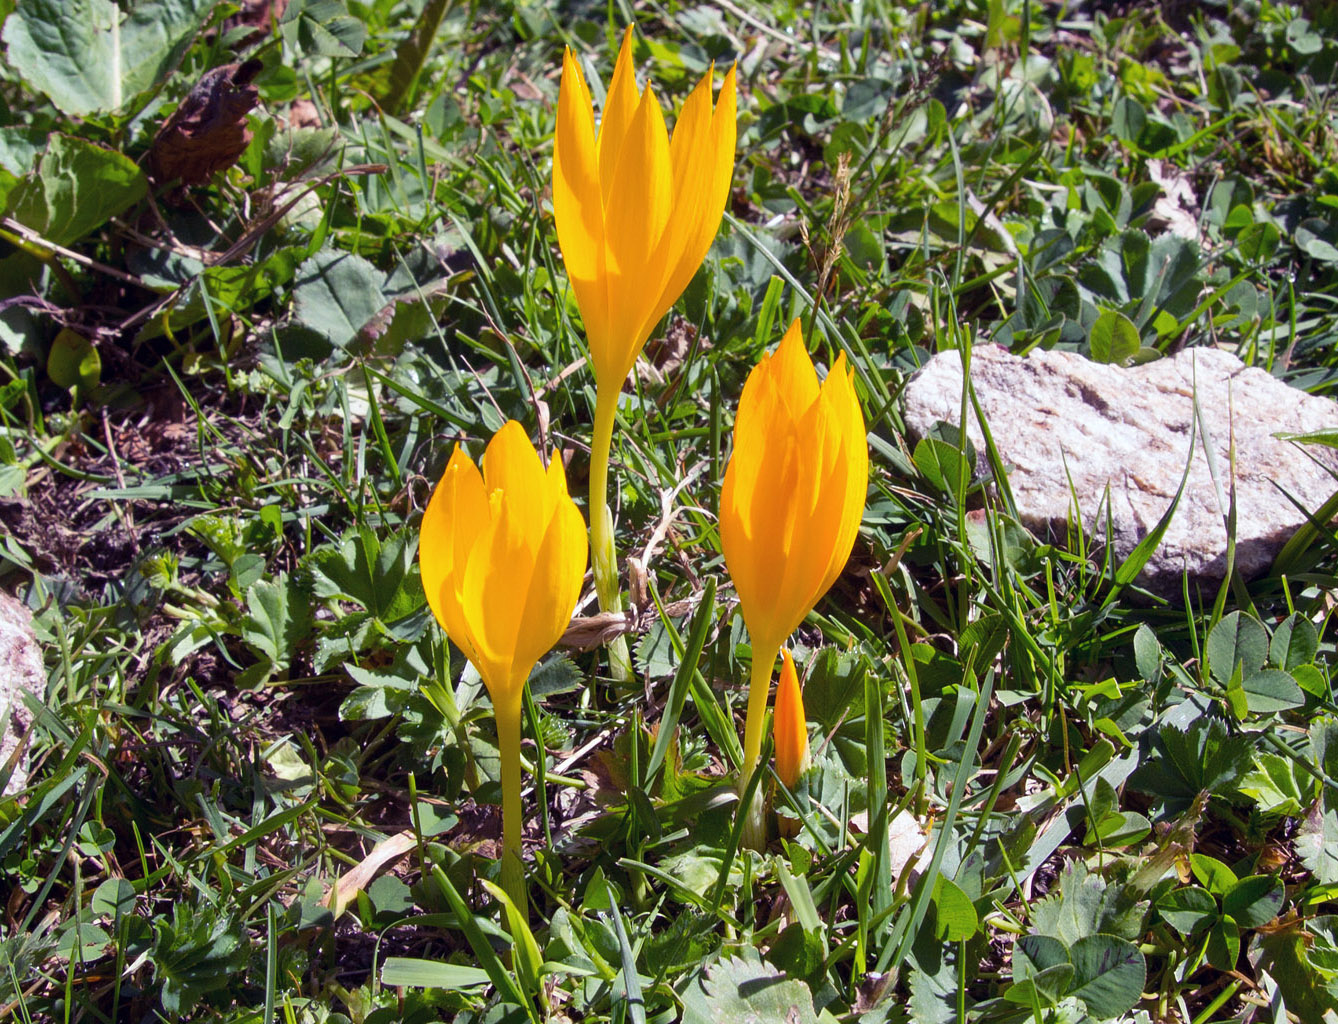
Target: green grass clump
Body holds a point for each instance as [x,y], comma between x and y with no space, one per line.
[262,785]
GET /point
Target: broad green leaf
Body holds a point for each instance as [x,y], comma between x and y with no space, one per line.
[1187,909]
[1035,953]
[1254,900]
[322,28]
[75,188]
[1147,654]
[1113,337]
[957,920]
[1271,690]
[95,56]
[114,898]
[337,294]
[1238,638]
[73,363]
[1295,642]
[1108,974]
[1212,872]
[1258,242]
[1224,944]
[941,464]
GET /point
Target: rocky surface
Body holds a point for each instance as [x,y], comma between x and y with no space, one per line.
[1060,421]
[21,670]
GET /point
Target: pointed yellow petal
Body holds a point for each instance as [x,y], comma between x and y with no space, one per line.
[578,209]
[620,107]
[689,152]
[512,466]
[495,582]
[708,155]
[455,517]
[852,469]
[555,586]
[634,218]
[792,370]
[794,489]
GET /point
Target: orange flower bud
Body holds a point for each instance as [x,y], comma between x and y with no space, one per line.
[789,725]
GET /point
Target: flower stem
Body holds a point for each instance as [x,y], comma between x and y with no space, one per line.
[603,557]
[759,685]
[508,749]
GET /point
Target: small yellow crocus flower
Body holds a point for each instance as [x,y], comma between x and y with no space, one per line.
[635,212]
[503,555]
[789,725]
[791,503]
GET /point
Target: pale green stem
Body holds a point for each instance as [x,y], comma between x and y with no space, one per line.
[759,686]
[508,749]
[603,557]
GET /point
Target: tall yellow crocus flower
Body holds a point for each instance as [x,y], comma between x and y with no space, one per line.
[791,503]
[636,212]
[502,555]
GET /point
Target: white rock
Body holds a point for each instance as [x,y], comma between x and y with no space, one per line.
[21,671]
[1060,420]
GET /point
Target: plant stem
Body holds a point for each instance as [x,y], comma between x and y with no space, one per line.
[508,749]
[759,686]
[603,557]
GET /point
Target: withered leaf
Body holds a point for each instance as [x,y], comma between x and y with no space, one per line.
[207,132]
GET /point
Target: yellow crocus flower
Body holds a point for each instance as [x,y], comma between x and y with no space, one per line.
[503,555]
[791,503]
[635,212]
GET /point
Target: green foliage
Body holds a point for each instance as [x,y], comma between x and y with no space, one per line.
[74,189]
[96,56]
[264,783]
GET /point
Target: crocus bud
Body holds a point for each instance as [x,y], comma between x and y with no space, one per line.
[789,725]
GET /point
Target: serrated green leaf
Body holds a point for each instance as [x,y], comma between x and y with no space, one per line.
[1201,759]
[742,990]
[278,618]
